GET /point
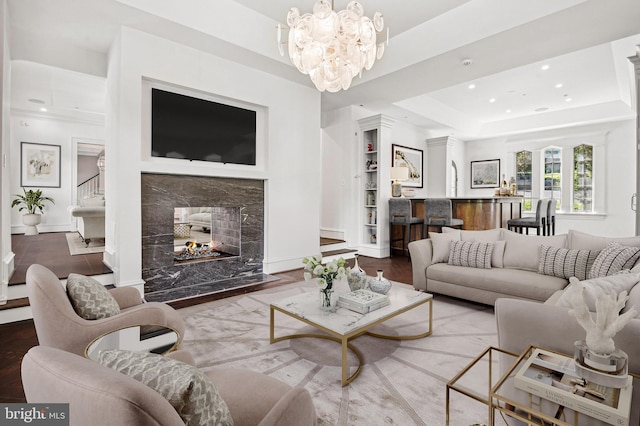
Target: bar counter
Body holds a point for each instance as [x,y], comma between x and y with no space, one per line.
[487,212]
[479,213]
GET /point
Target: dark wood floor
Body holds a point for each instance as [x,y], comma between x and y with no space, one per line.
[51,250]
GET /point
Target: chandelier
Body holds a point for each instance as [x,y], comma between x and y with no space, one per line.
[332,47]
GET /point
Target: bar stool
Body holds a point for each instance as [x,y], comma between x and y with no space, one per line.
[539,222]
[400,214]
[438,212]
[551,216]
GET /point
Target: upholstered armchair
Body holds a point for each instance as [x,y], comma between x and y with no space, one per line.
[90,213]
[100,396]
[58,325]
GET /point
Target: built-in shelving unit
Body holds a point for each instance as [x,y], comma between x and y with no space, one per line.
[374,146]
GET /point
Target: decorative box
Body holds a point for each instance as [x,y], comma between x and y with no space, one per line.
[363,301]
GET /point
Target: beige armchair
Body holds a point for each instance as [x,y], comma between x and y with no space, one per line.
[59,326]
[90,221]
[99,396]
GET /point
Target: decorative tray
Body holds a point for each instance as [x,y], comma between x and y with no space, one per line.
[363,301]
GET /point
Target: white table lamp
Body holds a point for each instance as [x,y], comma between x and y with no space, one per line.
[398,174]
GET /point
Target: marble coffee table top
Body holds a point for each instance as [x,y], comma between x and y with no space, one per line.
[306,306]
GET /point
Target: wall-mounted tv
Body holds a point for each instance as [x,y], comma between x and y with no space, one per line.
[198,129]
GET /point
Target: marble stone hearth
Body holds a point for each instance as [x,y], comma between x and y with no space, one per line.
[166,280]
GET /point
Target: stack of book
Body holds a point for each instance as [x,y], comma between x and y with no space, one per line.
[363,301]
[552,376]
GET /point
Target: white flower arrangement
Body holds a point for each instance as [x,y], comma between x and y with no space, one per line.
[336,269]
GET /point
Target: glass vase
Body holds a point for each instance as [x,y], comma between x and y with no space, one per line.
[327,300]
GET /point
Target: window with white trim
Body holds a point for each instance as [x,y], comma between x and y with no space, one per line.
[524,167]
[553,174]
[582,178]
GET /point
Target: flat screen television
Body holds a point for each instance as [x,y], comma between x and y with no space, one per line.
[197,129]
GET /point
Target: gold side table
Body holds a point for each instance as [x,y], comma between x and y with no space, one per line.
[481,393]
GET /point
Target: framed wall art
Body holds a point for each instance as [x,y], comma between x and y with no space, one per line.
[485,174]
[39,165]
[412,158]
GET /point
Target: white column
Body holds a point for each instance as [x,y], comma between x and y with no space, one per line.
[635,60]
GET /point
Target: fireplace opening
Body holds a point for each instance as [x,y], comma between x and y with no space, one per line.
[205,233]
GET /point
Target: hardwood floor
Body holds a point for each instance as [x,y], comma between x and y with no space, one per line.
[51,250]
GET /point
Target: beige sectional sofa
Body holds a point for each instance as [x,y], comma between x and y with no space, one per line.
[514,264]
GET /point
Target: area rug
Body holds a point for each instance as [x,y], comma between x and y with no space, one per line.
[77,246]
[401,382]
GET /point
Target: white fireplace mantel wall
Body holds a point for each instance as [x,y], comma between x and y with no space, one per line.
[291,173]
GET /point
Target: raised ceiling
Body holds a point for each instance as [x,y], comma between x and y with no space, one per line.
[422,79]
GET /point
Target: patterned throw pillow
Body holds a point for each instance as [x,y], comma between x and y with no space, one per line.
[90,299]
[473,254]
[614,258]
[192,394]
[566,263]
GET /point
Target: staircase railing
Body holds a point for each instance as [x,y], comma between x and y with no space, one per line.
[89,187]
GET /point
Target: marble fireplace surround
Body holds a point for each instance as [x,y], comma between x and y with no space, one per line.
[160,194]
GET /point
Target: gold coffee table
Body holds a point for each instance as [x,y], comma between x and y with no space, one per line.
[344,325]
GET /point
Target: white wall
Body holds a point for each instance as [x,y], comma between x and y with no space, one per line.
[5,150]
[617,172]
[45,130]
[292,156]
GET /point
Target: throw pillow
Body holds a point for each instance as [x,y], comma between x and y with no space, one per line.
[565,263]
[614,258]
[596,286]
[90,299]
[473,254]
[441,244]
[191,393]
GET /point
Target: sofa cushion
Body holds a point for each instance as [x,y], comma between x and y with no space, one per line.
[521,251]
[509,282]
[90,299]
[565,263]
[192,394]
[441,243]
[596,286]
[581,240]
[473,254]
[614,258]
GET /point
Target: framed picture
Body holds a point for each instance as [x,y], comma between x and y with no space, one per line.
[485,174]
[412,158]
[39,165]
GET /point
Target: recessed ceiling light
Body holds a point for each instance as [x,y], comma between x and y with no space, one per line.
[558,86]
[568,100]
[545,67]
[492,100]
[472,86]
[36,101]
[541,109]
[508,111]
[43,109]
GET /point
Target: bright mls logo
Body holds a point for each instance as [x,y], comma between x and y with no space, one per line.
[34,414]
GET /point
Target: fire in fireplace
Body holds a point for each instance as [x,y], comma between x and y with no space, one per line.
[195,251]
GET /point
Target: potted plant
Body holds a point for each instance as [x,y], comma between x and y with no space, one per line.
[33,202]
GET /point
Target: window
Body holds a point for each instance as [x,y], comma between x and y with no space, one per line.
[552,174]
[523,178]
[582,178]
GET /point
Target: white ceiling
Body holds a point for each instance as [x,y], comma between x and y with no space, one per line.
[60,55]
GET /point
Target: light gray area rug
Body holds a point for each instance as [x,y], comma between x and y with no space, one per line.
[77,246]
[401,382]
